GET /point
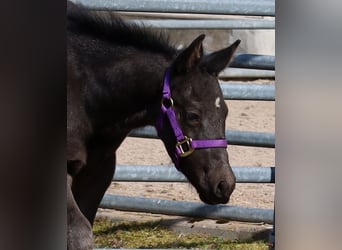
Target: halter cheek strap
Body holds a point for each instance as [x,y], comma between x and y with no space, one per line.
[185,145]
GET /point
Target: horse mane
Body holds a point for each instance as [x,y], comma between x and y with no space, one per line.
[110,27]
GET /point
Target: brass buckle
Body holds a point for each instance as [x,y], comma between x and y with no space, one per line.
[185,147]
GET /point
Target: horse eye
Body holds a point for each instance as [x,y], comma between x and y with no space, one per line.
[191,116]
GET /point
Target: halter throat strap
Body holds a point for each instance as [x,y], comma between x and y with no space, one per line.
[185,145]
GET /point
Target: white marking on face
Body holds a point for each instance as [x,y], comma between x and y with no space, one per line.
[217,102]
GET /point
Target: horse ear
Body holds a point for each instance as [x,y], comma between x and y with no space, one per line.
[189,57]
[215,62]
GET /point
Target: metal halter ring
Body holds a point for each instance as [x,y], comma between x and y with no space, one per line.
[167,102]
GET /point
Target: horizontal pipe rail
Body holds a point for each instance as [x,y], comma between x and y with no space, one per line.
[170,174]
[253,61]
[242,138]
[206,24]
[187,16]
[252,139]
[227,7]
[188,209]
[246,73]
[260,92]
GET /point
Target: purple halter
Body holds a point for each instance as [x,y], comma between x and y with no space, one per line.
[185,145]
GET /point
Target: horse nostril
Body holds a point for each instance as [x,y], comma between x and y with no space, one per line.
[222,189]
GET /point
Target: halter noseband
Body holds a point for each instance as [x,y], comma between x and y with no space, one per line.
[185,145]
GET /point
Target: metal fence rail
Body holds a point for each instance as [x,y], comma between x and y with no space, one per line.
[246,73]
[206,24]
[242,91]
[183,208]
[253,61]
[242,138]
[231,7]
[170,174]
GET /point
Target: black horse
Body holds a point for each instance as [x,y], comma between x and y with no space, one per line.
[120,77]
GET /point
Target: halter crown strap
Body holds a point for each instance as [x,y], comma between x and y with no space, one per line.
[185,145]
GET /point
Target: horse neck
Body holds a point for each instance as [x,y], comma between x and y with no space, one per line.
[136,92]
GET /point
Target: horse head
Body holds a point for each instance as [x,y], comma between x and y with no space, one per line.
[192,121]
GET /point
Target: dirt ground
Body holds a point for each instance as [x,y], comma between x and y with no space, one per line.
[243,115]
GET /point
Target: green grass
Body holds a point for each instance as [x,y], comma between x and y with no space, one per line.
[152,235]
